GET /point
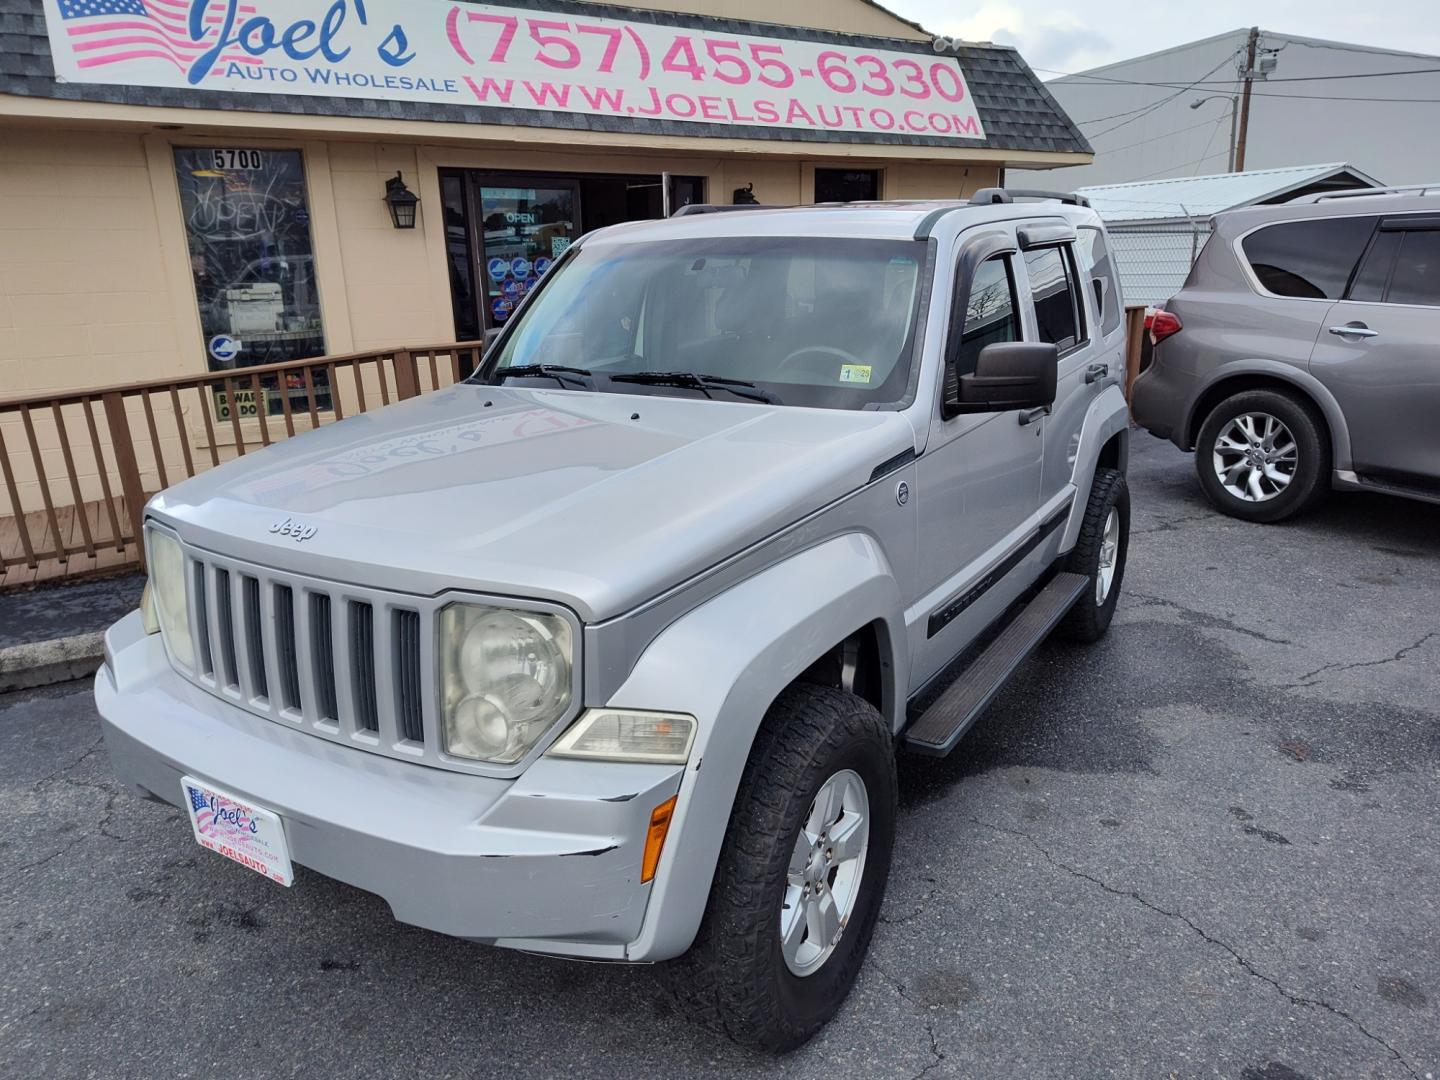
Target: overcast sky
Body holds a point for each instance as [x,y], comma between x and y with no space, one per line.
[1074,37]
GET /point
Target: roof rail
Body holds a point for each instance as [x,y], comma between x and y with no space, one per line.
[1358,193]
[994,195]
[718,208]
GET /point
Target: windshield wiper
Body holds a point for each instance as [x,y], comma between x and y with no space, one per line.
[704,383]
[558,372]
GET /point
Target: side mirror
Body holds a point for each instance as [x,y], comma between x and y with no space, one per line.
[491,335]
[1009,375]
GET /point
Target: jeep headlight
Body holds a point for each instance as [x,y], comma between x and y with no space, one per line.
[167,595]
[505,679]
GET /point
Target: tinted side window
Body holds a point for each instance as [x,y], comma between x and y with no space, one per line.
[1417,271]
[1053,291]
[1374,275]
[1095,261]
[1308,259]
[990,312]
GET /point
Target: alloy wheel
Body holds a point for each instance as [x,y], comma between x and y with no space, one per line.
[1109,557]
[1255,457]
[825,872]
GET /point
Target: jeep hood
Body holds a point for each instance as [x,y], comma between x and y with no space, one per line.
[597,501]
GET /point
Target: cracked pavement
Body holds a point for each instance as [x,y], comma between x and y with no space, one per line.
[1206,847]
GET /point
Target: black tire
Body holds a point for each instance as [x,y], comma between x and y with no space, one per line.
[1090,618]
[1311,481]
[735,978]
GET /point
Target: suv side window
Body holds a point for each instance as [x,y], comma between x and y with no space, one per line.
[1417,270]
[991,313]
[1096,262]
[1058,313]
[1373,277]
[1311,260]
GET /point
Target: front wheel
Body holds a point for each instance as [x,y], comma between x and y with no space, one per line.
[800,881]
[1100,555]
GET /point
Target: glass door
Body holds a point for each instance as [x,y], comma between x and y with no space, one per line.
[525,225]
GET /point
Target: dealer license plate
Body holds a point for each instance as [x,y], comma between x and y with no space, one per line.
[241,831]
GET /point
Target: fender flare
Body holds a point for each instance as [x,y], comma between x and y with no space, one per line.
[1108,415]
[1299,378]
[725,663]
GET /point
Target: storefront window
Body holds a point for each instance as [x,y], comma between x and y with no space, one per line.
[525,230]
[247,220]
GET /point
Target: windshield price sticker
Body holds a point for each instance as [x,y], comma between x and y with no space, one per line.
[527,60]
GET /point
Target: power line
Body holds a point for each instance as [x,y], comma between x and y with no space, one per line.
[1332,97]
[1162,101]
[1168,134]
[1145,109]
[1211,139]
[1263,94]
[1223,82]
[1186,165]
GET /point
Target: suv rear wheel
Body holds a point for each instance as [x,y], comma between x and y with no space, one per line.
[1263,456]
[801,877]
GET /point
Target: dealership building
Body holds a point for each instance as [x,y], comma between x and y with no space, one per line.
[191,186]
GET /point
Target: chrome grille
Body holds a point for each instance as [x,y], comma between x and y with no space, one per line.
[342,662]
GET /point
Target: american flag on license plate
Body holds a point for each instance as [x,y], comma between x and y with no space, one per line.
[105,32]
[199,802]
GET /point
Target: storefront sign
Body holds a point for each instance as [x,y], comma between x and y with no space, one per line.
[510,58]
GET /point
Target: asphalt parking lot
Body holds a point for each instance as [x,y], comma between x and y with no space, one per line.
[1207,847]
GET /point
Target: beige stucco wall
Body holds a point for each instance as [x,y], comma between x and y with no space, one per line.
[95,283]
[83,294]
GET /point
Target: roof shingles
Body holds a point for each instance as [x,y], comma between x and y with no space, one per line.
[1017,111]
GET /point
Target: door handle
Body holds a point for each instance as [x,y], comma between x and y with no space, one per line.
[1031,415]
[1359,330]
[1096,372]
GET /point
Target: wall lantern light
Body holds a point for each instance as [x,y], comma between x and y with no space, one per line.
[401,201]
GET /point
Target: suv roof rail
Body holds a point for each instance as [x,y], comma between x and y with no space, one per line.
[992,195]
[1359,193]
[719,208]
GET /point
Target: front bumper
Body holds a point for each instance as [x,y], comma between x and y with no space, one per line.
[549,861]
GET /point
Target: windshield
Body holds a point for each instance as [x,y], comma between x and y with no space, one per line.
[815,321]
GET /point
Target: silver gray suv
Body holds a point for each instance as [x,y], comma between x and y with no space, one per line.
[606,652]
[1303,353]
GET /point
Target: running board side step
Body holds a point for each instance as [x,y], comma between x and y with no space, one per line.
[937,731]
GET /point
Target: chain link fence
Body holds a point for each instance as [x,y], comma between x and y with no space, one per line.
[1154,258]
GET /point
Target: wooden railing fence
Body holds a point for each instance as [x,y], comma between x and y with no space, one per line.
[78,466]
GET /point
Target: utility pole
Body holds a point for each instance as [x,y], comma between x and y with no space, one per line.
[1249,77]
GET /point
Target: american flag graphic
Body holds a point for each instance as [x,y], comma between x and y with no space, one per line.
[200,801]
[105,32]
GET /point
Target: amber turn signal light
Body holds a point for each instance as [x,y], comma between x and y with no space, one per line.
[655,837]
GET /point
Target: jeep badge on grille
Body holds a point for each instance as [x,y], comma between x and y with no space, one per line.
[294,529]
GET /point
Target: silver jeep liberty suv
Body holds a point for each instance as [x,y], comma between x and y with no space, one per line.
[608,651]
